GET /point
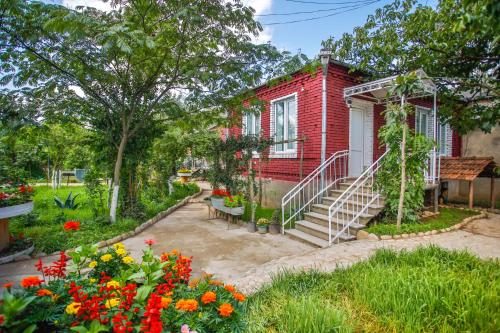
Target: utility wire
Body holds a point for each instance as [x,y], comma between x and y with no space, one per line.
[328,3]
[311,11]
[324,16]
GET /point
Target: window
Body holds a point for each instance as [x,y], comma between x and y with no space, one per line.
[284,124]
[421,120]
[442,139]
[251,124]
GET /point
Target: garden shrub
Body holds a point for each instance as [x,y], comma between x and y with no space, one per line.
[109,291]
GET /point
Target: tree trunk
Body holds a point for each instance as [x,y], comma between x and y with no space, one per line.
[403,171]
[116,178]
[250,191]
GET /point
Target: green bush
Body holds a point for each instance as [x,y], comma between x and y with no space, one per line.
[426,290]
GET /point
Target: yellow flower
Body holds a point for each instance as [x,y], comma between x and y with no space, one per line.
[92,280]
[121,252]
[92,264]
[73,308]
[118,246]
[128,260]
[106,257]
[113,284]
[112,302]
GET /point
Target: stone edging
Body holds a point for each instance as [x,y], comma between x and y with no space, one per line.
[14,256]
[137,230]
[366,235]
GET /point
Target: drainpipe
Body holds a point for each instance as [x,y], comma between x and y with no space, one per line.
[324,55]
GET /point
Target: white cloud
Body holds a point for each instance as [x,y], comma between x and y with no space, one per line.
[88,3]
[261,7]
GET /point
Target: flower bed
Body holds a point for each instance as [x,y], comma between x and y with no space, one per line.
[109,291]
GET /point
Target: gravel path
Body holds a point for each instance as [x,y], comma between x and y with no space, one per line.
[485,243]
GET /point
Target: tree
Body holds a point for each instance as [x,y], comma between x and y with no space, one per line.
[456,43]
[121,71]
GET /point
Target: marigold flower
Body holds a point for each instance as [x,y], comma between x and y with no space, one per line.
[72,225]
[225,309]
[239,297]
[189,305]
[113,284]
[208,297]
[31,281]
[111,303]
[73,308]
[121,252]
[194,282]
[174,252]
[215,283]
[92,264]
[128,260]
[230,288]
[150,242]
[92,280]
[8,285]
[106,257]
[118,245]
[165,302]
[44,292]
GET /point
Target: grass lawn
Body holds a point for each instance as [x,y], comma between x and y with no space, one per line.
[446,218]
[427,290]
[260,212]
[44,228]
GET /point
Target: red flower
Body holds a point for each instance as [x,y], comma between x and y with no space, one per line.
[2,319]
[151,321]
[150,242]
[8,285]
[3,196]
[22,188]
[31,281]
[220,193]
[72,225]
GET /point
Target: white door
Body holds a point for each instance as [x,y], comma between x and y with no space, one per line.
[360,138]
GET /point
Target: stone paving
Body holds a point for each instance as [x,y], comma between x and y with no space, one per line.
[249,260]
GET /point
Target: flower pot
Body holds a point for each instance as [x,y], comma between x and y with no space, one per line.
[251,227]
[274,228]
[262,229]
[16,210]
[237,210]
[217,203]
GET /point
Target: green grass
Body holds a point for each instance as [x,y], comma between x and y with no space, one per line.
[446,218]
[427,290]
[260,212]
[48,233]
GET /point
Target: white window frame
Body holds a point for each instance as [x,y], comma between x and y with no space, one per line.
[428,113]
[256,120]
[286,152]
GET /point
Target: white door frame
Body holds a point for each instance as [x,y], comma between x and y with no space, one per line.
[366,136]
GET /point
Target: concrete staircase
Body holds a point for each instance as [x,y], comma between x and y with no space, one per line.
[313,228]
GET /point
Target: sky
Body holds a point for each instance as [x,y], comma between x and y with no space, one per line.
[326,18]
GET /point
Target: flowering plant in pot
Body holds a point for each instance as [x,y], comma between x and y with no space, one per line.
[275,225]
[109,291]
[262,225]
[218,196]
[236,203]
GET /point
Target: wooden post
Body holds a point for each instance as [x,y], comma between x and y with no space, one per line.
[492,194]
[471,194]
[4,233]
[436,198]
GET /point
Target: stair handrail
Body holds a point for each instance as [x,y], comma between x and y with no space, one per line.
[353,189]
[297,190]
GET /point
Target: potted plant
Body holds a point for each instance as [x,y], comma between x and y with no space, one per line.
[275,226]
[16,198]
[236,204]
[262,225]
[217,198]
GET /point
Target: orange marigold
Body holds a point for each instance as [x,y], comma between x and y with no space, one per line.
[230,288]
[189,305]
[215,283]
[8,285]
[225,309]
[31,281]
[194,282]
[165,302]
[44,292]
[208,297]
[239,297]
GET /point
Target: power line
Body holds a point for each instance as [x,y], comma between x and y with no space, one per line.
[328,3]
[324,16]
[311,11]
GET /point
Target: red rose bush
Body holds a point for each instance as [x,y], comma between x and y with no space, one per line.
[109,291]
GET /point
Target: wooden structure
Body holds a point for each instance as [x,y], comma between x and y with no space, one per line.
[468,169]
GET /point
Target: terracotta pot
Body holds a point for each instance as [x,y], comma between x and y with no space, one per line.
[274,228]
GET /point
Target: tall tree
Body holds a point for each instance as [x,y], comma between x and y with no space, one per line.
[120,71]
[457,43]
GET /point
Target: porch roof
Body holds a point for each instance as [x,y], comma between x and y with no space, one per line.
[377,90]
[467,168]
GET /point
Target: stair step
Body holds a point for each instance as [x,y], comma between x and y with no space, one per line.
[373,208]
[315,216]
[346,185]
[322,219]
[321,231]
[307,238]
[334,194]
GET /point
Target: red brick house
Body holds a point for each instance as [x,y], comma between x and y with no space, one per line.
[294,113]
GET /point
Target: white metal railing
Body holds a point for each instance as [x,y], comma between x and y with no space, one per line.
[432,170]
[310,190]
[354,202]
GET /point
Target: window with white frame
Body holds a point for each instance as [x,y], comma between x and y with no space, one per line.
[442,139]
[251,124]
[284,124]
[422,119]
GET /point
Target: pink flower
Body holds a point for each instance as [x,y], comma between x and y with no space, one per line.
[150,242]
[185,329]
